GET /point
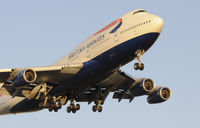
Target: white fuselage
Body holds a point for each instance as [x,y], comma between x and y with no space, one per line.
[133,25]
[125,28]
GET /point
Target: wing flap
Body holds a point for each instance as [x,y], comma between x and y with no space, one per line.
[118,81]
[121,84]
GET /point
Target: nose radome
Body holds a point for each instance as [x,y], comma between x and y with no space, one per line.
[158,21]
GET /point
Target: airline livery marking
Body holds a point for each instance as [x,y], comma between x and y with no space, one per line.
[110,25]
[117,22]
[92,71]
[90,44]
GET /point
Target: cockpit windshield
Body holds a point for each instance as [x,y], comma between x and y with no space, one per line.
[138,11]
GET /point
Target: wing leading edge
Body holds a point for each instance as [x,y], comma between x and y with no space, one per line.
[126,87]
[43,75]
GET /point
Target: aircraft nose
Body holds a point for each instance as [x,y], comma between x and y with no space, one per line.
[158,22]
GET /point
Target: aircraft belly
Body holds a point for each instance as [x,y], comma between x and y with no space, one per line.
[106,62]
[9,105]
[25,105]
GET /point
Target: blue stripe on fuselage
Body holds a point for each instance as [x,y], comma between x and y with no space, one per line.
[123,53]
[116,28]
[107,61]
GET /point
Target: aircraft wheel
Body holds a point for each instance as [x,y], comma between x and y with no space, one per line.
[141,66]
[68,109]
[77,106]
[55,109]
[50,109]
[74,111]
[100,109]
[94,108]
[136,66]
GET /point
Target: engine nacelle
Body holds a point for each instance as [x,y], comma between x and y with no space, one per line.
[143,87]
[24,77]
[159,95]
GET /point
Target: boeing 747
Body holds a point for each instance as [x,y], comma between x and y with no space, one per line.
[90,72]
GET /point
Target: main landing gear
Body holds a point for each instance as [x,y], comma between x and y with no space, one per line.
[53,103]
[99,97]
[73,108]
[139,65]
[97,106]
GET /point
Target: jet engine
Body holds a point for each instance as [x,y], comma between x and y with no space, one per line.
[159,95]
[24,77]
[143,87]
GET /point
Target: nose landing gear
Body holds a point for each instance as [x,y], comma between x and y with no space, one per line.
[73,108]
[139,65]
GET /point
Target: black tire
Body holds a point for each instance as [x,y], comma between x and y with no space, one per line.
[74,111]
[68,109]
[55,109]
[78,106]
[50,109]
[136,66]
[94,108]
[100,109]
[142,66]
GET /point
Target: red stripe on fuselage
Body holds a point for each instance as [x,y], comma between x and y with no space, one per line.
[108,26]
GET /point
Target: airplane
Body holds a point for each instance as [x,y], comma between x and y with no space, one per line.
[90,72]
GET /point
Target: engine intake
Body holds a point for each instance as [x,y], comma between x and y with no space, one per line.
[159,95]
[143,87]
[24,77]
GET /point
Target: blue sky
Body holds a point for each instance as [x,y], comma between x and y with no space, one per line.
[37,33]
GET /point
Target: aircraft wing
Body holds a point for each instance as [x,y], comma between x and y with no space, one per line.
[50,74]
[126,87]
[119,83]
[45,74]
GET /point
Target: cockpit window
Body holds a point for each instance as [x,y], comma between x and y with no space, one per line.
[139,11]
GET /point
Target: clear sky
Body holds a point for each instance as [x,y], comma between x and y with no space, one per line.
[39,32]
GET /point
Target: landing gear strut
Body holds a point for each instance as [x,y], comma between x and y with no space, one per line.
[139,65]
[97,106]
[52,103]
[55,104]
[73,108]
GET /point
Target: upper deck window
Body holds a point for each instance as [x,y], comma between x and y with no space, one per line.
[138,11]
